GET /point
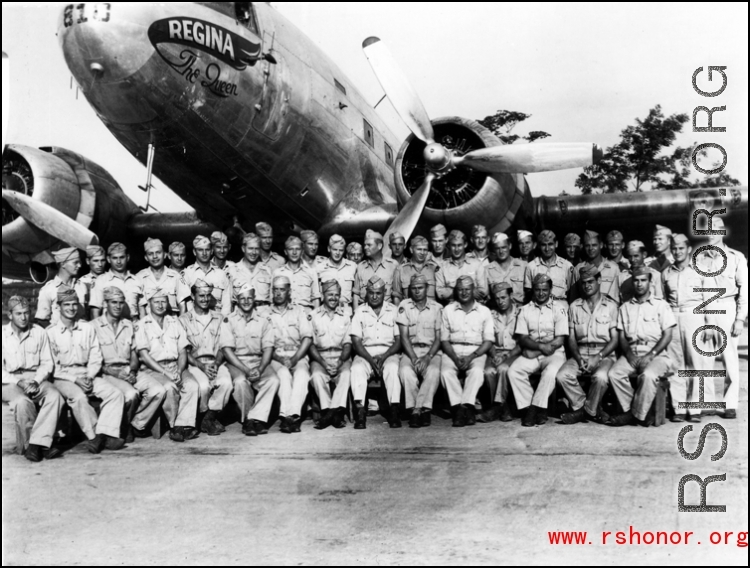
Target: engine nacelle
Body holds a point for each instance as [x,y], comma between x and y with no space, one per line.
[463,197]
[69,183]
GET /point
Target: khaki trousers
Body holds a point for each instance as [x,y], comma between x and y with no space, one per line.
[180,403]
[322,381]
[293,386]
[142,400]
[36,418]
[520,371]
[570,372]
[730,356]
[474,376]
[418,395]
[684,356]
[254,406]
[362,371]
[640,400]
[110,412]
[214,394]
[496,378]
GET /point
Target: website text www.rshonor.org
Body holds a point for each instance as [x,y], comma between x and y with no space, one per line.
[631,536]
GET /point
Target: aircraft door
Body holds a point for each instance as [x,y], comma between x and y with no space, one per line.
[273,107]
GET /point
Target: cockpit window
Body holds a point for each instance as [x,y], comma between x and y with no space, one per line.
[246,16]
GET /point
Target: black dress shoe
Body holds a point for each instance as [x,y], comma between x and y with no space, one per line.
[470,413]
[325,420]
[286,425]
[96,445]
[574,417]
[338,418]
[34,453]
[694,418]
[52,453]
[248,428]
[490,415]
[459,416]
[210,426]
[130,437]
[176,435]
[395,420]
[730,414]
[529,419]
[190,433]
[541,416]
[361,418]
[140,434]
[415,421]
[505,414]
[624,419]
[296,423]
[425,418]
[677,418]
[113,444]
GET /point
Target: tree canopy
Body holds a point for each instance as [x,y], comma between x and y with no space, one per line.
[503,122]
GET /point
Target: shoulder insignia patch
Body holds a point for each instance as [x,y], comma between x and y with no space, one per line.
[309,317]
[401,310]
[226,320]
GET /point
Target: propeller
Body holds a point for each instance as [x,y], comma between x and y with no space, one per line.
[522,159]
[6,98]
[50,220]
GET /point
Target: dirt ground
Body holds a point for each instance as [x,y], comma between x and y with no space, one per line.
[482,495]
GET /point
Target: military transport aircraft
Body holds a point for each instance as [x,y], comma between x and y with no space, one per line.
[244,118]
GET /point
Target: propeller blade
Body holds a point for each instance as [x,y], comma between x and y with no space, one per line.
[531,158]
[409,216]
[50,220]
[6,98]
[395,84]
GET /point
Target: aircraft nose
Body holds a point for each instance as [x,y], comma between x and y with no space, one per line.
[105,42]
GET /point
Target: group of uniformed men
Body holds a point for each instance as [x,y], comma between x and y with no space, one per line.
[187,339]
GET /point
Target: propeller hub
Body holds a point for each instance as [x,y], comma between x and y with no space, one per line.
[437,158]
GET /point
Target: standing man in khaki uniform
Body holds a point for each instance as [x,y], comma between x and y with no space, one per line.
[247,340]
[397,243]
[733,279]
[592,341]
[559,270]
[143,394]
[419,320]
[636,253]
[96,259]
[78,361]
[204,270]
[374,264]
[466,335]
[344,271]
[609,273]
[526,246]
[120,277]
[162,346]
[663,256]
[503,353]
[417,265]
[252,272]
[680,281]
[438,243]
[310,245]
[573,248]
[68,262]
[506,268]
[268,258]
[27,369]
[205,361]
[331,353]
[646,325]
[615,247]
[480,240]
[178,257]
[292,325]
[459,265]
[220,248]
[305,288]
[157,275]
[541,330]
[375,338]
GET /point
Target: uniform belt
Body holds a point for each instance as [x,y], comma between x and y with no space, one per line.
[422,345]
[167,362]
[331,350]
[204,358]
[592,344]
[467,344]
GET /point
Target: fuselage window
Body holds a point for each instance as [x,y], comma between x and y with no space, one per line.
[388,154]
[339,86]
[369,134]
[246,16]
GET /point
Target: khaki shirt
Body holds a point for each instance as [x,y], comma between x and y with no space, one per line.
[344,274]
[451,271]
[560,271]
[130,285]
[222,292]
[402,278]
[543,323]
[366,270]
[75,351]
[330,330]
[661,262]
[260,278]
[610,279]
[460,327]
[170,283]
[227,268]
[423,324]
[163,344]
[88,280]
[248,338]
[202,332]
[593,326]
[513,274]
[291,325]
[304,284]
[505,327]
[47,307]
[375,330]
[644,323]
[733,278]
[117,345]
[679,288]
[28,352]
[483,260]
[627,291]
[273,262]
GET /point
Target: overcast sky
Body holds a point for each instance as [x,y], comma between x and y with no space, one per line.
[584,71]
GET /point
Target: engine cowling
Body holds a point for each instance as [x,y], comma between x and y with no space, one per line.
[69,183]
[464,197]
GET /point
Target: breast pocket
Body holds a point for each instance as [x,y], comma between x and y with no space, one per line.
[603,325]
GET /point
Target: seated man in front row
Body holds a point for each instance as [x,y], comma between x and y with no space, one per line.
[419,320]
[78,361]
[376,345]
[466,335]
[247,340]
[541,330]
[27,368]
[330,353]
[645,324]
[591,344]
